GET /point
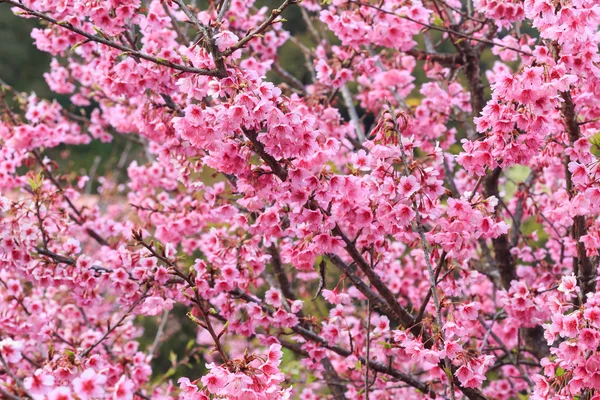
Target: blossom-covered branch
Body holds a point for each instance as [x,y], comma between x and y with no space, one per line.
[104,39]
[399,204]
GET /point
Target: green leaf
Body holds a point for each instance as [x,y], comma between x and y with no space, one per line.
[595,140]
[358,365]
[194,319]
[36,182]
[76,45]
[190,344]
[70,356]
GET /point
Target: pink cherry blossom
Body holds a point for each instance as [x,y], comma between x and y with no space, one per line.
[89,384]
[10,350]
[39,383]
[391,200]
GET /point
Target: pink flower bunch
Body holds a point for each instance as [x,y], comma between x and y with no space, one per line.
[390,218]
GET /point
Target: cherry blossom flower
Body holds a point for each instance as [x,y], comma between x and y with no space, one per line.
[89,384]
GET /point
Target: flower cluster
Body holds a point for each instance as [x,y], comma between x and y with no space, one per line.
[372,229]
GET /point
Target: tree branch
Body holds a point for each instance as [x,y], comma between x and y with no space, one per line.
[129,51]
[79,220]
[109,331]
[584,270]
[259,29]
[402,315]
[277,169]
[439,29]
[330,373]
[312,336]
[503,257]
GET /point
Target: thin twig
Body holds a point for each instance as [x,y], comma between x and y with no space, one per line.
[222,10]
[505,349]
[368,355]
[127,50]
[79,220]
[206,323]
[445,30]
[289,78]
[9,395]
[373,365]
[159,333]
[14,377]
[109,331]
[420,229]
[347,96]
[93,170]
[259,29]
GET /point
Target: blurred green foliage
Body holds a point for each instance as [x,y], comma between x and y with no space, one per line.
[21,64]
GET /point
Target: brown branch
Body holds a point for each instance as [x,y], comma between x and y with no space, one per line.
[18,382]
[503,257]
[159,333]
[127,50]
[584,270]
[210,41]
[322,279]
[259,29]
[472,394]
[79,220]
[169,102]
[223,8]
[56,257]
[284,283]
[401,314]
[45,238]
[312,336]
[330,374]
[505,349]
[518,215]
[473,75]
[331,378]
[206,323]
[439,29]
[375,298]
[276,168]
[289,78]
[389,300]
[423,307]
[373,365]
[404,318]
[110,330]
[445,59]
[589,121]
[180,34]
[8,395]
[17,299]
[368,345]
